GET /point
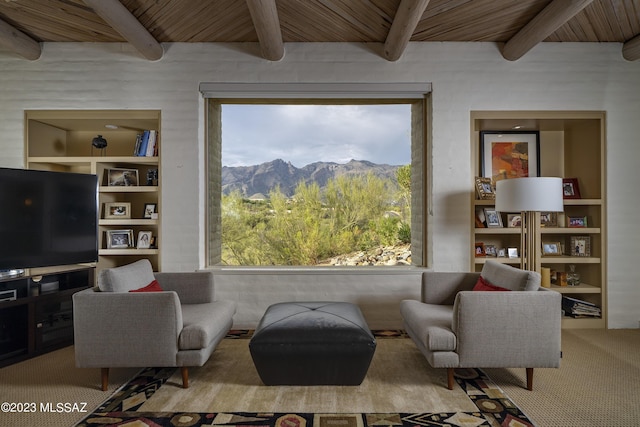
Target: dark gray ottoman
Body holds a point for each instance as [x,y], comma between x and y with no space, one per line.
[312,343]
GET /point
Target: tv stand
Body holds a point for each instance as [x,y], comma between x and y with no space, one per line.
[36,310]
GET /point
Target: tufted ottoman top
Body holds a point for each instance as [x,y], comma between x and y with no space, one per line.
[312,323]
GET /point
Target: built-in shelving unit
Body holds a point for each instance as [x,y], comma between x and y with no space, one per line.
[62,140]
[572,145]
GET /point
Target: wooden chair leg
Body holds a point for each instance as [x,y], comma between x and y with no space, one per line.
[104,373]
[530,379]
[450,380]
[185,377]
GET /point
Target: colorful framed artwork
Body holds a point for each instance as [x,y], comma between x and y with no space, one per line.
[509,154]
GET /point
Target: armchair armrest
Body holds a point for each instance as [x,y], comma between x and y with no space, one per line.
[442,287]
[126,329]
[508,329]
[191,287]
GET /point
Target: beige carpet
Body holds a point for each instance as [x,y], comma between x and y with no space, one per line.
[54,378]
[399,380]
[598,383]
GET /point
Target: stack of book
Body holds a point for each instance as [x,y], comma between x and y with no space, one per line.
[146,144]
[578,308]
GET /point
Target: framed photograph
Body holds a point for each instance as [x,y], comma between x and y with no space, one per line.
[512,252]
[514,220]
[150,211]
[119,239]
[485,188]
[480,249]
[551,249]
[502,253]
[548,219]
[117,210]
[122,177]
[490,250]
[577,222]
[570,188]
[580,246]
[144,240]
[493,218]
[509,154]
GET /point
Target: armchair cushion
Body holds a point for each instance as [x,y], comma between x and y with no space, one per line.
[126,278]
[511,278]
[203,323]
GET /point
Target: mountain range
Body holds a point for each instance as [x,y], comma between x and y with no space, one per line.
[258,180]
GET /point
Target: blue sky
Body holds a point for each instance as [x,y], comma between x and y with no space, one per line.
[303,134]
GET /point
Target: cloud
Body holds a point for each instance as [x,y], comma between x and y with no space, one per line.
[303,134]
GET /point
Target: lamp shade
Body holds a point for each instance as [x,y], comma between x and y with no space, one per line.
[536,194]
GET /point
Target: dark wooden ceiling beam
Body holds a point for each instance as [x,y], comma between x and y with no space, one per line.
[404,24]
[631,49]
[19,42]
[552,17]
[125,23]
[264,15]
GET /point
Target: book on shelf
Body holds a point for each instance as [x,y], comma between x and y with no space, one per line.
[146,144]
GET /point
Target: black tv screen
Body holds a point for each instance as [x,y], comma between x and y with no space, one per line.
[47,218]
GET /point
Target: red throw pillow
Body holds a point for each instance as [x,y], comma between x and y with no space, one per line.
[483,285]
[151,287]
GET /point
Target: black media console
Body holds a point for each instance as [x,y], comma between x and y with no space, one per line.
[36,312]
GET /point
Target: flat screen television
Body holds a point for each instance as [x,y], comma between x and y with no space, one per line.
[47,218]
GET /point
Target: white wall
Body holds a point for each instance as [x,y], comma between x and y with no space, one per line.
[465,77]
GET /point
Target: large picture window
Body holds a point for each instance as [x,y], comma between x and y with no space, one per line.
[315,182]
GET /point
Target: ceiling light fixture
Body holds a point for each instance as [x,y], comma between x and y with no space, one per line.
[109,126]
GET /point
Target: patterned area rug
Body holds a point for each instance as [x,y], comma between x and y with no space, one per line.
[494,407]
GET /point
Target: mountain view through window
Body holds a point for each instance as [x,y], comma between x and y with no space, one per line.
[316,184]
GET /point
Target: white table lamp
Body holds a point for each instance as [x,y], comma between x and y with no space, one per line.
[528,196]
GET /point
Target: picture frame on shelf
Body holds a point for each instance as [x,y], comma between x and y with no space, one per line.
[144,239]
[548,219]
[490,251]
[509,154]
[119,239]
[119,177]
[570,188]
[577,222]
[485,189]
[117,210]
[502,253]
[551,249]
[512,252]
[479,249]
[581,246]
[514,220]
[150,211]
[493,218]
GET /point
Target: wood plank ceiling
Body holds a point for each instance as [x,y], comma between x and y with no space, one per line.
[517,25]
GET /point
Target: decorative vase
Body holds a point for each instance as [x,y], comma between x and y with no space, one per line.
[573,278]
[100,143]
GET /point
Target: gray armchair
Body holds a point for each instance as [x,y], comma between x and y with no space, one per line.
[180,326]
[455,327]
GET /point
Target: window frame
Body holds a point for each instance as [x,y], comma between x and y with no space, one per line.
[233,94]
